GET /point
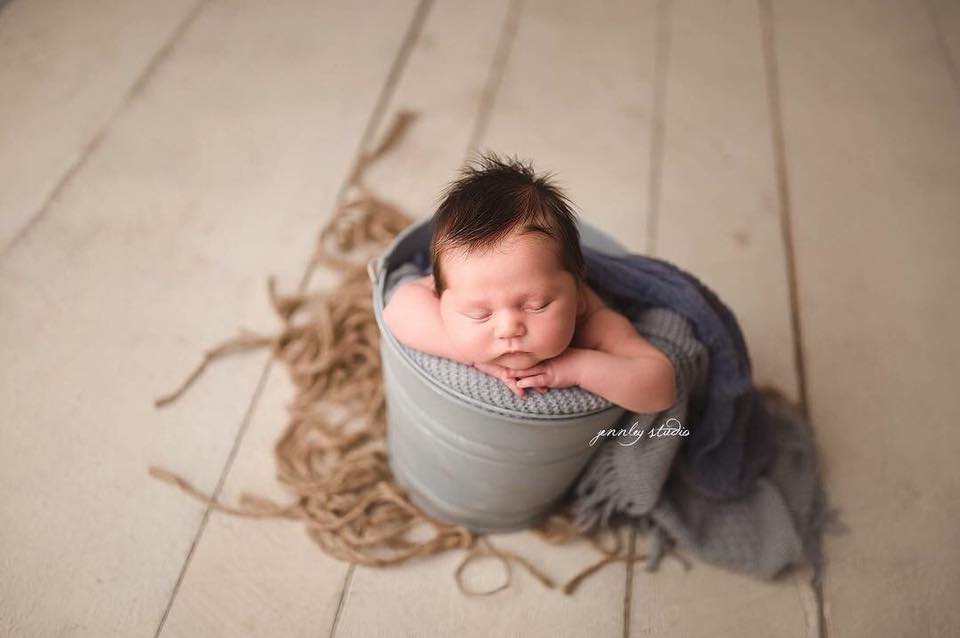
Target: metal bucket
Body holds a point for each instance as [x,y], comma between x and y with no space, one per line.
[488,468]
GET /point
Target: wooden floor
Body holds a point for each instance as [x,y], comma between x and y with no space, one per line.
[158,160]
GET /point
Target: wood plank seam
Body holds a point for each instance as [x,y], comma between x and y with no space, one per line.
[347,579]
[657,124]
[380,106]
[786,229]
[215,495]
[372,123]
[948,60]
[94,143]
[498,67]
[661,64]
[494,80]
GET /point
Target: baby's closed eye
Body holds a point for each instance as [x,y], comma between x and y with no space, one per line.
[483,315]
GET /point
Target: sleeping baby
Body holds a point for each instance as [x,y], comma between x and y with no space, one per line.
[508,296]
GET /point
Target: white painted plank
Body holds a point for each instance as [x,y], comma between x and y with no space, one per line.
[65,69]
[577,99]
[216,174]
[573,67]
[719,219]
[257,577]
[945,16]
[422,598]
[872,135]
[718,214]
[443,79]
[711,601]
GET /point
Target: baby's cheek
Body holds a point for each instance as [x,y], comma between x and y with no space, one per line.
[557,335]
[466,341]
[458,336]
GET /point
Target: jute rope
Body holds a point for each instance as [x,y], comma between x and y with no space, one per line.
[332,455]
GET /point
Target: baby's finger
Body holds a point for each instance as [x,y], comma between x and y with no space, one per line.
[526,372]
[531,382]
[512,384]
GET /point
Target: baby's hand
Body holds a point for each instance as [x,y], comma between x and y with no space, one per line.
[506,375]
[562,371]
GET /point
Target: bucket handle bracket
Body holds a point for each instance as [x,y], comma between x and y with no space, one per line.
[373,269]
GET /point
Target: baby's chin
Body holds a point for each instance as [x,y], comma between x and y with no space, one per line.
[517,360]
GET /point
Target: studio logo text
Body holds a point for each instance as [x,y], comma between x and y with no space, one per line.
[670,427]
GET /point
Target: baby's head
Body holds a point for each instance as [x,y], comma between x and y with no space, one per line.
[507,264]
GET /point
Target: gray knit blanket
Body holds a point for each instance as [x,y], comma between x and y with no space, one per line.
[774,523]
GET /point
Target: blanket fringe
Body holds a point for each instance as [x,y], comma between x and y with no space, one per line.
[594,506]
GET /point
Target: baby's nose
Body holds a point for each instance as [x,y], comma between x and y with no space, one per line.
[510,326]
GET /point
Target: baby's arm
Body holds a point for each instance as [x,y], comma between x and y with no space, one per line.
[623,367]
[413,317]
[609,358]
[639,384]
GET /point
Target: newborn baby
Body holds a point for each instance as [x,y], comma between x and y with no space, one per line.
[507,295]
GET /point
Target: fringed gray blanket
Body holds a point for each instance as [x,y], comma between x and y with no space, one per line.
[755,502]
[776,523]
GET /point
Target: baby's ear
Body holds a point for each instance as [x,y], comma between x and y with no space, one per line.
[581,299]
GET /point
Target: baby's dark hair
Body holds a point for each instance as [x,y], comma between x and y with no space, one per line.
[491,198]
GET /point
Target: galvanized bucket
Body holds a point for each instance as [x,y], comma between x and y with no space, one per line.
[488,468]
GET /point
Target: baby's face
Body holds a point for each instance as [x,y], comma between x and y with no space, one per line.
[512,305]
